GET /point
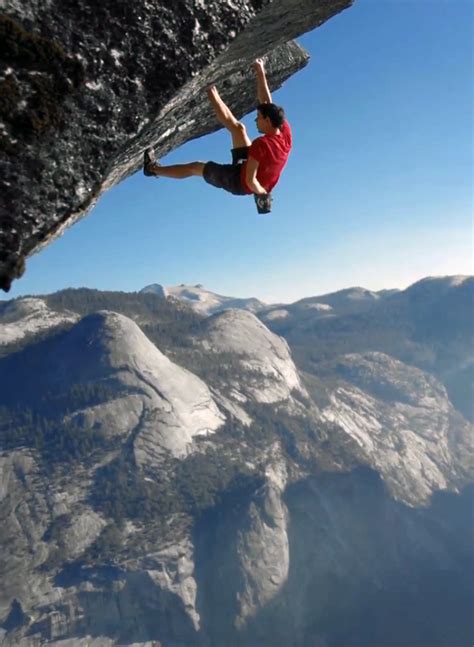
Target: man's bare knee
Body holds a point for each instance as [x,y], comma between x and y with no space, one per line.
[239,130]
[198,167]
[239,135]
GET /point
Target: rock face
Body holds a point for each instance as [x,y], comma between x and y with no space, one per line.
[86,88]
[243,556]
[404,425]
[263,547]
[240,333]
[164,405]
[353,555]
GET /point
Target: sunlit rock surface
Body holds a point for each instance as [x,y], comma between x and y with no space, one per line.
[260,352]
[28,317]
[164,405]
[404,424]
[203,301]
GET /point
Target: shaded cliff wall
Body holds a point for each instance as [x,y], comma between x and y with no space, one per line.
[364,570]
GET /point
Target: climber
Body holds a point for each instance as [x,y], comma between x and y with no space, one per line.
[256,166]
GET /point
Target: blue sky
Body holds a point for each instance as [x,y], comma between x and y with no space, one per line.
[377,192]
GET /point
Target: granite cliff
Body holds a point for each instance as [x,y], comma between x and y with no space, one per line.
[86,87]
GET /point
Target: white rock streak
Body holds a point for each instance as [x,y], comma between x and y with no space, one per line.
[320,307]
[277,314]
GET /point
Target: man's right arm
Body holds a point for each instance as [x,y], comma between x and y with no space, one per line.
[263,91]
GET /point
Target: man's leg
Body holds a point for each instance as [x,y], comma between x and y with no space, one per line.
[227,119]
[177,171]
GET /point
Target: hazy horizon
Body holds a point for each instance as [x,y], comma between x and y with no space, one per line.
[210,289]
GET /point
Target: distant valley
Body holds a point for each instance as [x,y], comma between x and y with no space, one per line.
[197,470]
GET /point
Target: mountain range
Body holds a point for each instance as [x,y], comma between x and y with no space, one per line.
[179,468]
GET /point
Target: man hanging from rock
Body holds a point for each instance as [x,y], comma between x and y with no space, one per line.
[256,166]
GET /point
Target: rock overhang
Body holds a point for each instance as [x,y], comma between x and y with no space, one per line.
[84,88]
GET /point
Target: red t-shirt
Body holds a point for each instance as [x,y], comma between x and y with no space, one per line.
[271,151]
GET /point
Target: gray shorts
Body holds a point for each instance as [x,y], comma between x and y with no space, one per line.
[227,176]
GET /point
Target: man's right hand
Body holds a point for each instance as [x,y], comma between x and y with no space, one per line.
[263,91]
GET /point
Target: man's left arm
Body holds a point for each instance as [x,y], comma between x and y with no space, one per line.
[251,177]
[263,200]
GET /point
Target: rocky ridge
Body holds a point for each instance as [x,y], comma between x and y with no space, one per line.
[201,300]
[27,317]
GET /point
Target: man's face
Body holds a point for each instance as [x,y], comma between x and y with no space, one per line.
[260,122]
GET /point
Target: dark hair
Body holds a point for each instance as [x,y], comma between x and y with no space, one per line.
[274,112]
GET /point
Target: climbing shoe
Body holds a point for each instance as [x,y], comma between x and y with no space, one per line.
[148,162]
